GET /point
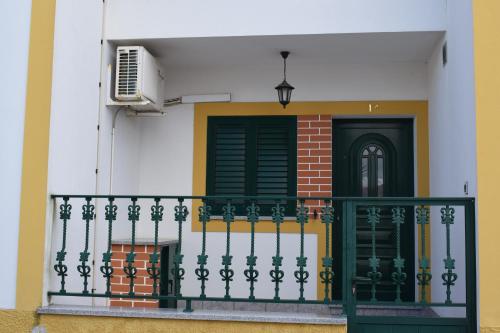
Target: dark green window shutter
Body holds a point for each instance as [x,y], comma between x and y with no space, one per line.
[230,169]
[252,156]
[276,161]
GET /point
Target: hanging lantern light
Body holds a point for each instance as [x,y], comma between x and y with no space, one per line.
[284,88]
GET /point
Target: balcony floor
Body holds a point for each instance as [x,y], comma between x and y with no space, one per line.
[215,315]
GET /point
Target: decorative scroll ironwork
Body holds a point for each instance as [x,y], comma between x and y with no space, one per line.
[106,269]
[327,274]
[84,269]
[227,273]
[424,276]
[278,215]
[301,275]
[60,267]
[399,270]
[449,277]
[153,270]
[398,276]
[373,261]
[181,212]
[202,272]
[130,270]
[251,273]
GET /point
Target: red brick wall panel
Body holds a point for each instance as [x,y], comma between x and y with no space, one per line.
[120,282]
[314,158]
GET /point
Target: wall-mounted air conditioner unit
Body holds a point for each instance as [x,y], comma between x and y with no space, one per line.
[138,79]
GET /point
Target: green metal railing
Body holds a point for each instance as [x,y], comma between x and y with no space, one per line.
[347,212]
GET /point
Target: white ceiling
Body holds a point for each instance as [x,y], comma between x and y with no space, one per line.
[305,49]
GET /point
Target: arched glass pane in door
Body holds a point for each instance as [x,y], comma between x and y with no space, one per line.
[372,171]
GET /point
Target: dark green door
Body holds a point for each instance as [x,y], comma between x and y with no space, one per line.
[374,158]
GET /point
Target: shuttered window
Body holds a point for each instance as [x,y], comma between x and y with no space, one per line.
[252,156]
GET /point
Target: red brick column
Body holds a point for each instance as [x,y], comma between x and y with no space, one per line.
[142,284]
[314,158]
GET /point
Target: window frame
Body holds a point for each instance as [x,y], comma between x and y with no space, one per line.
[251,123]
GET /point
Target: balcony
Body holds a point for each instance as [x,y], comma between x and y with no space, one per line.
[358,258]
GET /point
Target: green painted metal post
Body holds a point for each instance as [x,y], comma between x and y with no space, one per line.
[373,261]
[278,214]
[449,277]
[424,276]
[349,287]
[130,270]
[301,275]
[327,274]
[251,273]
[188,307]
[153,270]
[398,276]
[227,273]
[345,258]
[84,269]
[181,212]
[202,272]
[60,267]
[106,269]
[470,264]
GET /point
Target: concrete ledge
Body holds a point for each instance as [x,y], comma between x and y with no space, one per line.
[207,315]
[318,309]
[146,241]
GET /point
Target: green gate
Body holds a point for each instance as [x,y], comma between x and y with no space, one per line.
[445,279]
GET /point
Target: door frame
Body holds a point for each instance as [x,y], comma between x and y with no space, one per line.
[414,234]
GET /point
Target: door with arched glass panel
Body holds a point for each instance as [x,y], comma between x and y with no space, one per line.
[374,158]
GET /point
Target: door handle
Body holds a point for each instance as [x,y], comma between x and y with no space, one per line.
[170,287]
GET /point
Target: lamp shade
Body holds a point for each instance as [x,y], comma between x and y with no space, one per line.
[284,93]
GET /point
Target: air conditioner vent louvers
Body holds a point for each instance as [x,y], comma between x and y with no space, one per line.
[127,75]
[138,79]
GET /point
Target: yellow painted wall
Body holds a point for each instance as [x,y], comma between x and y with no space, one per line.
[35,157]
[415,109]
[83,324]
[14,321]
[487,72]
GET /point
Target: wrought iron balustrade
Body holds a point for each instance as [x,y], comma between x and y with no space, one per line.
[380,275]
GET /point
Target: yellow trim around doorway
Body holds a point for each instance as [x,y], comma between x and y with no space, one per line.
[30,262]
[487,76]
[407,109]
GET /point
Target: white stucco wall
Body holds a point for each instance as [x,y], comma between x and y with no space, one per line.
[15,28]
[129,19]
[73,124]
[452,139]
[313,82]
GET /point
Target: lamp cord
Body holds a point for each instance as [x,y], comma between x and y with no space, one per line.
[284,69]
